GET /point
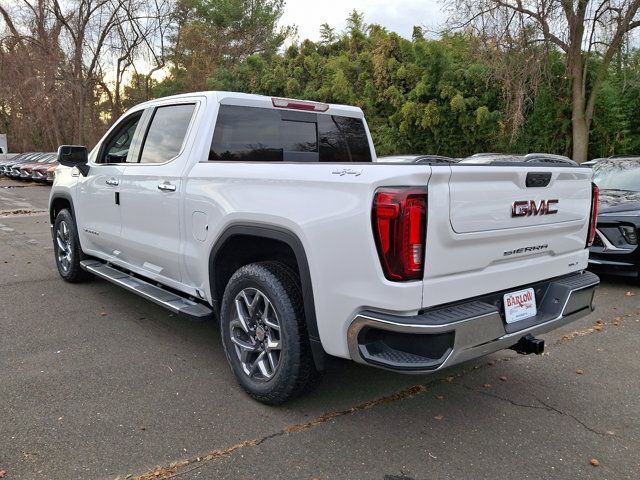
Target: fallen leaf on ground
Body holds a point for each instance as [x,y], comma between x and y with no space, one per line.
[503,379]
[3,473]
[594,462]
[487,385]
[630,294]
[439,417]
[439,397]
[579,372]
[103,314]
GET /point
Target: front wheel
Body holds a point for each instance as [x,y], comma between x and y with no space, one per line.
[264,332]
[67,248]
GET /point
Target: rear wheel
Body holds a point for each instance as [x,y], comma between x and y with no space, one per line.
[67,248]
[264,332]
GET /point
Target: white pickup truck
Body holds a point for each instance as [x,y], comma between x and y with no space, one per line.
[274,216]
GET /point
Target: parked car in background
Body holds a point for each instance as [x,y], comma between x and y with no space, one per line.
[424,159]
[591,163]
[45,173]
[26,169]
[615,248]
[9,160]
[506,158]
[7,166]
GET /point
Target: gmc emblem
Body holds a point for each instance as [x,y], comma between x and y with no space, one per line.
[526,208]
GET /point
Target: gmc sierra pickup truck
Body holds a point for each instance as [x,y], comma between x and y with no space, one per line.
[273,216]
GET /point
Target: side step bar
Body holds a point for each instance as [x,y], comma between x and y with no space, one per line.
[164,298]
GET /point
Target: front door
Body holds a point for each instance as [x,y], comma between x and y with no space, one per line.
[98,211]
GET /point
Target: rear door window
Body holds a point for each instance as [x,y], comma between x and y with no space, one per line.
[166,133]
[252,134]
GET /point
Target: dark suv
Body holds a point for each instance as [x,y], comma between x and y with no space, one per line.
[615,249]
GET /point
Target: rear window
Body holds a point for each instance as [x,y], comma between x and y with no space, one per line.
[252,134]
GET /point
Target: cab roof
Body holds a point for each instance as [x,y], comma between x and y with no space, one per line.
[261,101]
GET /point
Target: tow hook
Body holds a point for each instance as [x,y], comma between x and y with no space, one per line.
[529,344]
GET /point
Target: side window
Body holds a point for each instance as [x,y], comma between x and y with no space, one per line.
[118,145]
[166,133]
[247,135]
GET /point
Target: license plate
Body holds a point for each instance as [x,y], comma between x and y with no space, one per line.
[519,305]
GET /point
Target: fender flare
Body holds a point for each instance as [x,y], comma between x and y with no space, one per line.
[291,239]
[65,196]
[60,195]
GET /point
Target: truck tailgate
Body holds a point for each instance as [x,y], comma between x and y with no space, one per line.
[481,199]
[488,231]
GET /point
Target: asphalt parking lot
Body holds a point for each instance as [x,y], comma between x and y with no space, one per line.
[96,383]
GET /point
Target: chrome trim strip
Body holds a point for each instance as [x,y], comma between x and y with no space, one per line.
[607,244]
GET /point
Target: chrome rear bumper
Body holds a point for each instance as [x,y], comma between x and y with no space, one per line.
[445,336]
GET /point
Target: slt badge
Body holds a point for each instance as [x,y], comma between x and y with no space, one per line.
[347,171]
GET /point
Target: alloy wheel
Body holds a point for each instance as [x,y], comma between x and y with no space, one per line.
[255,334]
[63,242]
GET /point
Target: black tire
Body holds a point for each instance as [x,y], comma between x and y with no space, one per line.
[295,371]
[65,234]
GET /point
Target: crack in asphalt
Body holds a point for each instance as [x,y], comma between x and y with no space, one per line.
[551,408]
[544,406]
[172,470]
[176,469]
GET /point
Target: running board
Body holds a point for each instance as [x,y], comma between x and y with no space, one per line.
[164,298]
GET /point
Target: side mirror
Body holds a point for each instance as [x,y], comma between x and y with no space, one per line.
[74,156]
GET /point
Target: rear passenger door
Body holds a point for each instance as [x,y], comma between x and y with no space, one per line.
[151,193]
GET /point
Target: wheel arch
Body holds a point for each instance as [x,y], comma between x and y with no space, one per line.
[59,201]
[277,243]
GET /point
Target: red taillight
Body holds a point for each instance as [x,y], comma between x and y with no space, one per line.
[399,225]
[595,193]
[299,105]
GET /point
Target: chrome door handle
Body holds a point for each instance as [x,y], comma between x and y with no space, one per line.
[113,182]
[167,187]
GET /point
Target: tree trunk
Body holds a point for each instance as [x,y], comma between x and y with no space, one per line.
[579,123]
[80,116]
[580,140]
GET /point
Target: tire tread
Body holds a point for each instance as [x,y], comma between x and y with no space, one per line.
[301,373]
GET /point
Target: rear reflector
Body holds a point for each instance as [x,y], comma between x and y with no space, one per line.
[399,224]
[595,193]
[299,105]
